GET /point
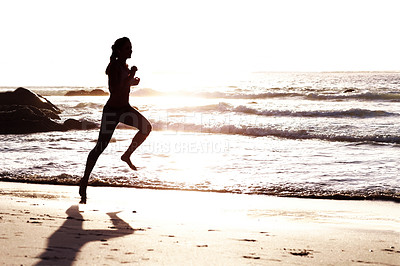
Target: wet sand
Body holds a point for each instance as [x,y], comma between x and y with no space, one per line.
[45,225]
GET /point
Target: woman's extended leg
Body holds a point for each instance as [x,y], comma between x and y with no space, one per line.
[135,119]
[90,163]
[108,125]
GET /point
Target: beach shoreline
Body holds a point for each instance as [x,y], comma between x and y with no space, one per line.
[44,225]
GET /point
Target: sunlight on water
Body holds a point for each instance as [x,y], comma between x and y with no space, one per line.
[274,133]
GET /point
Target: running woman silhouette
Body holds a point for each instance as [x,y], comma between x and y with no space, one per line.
[117,109]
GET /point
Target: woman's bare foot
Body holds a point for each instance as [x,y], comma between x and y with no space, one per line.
[83,200]
[126,158]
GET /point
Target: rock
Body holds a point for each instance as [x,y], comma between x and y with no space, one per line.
[349,90]
[75,124]
[22,119]
[95,92]
[23,111]
[12,112]
[22,96]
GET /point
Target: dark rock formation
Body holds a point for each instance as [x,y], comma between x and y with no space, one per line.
[75,124]
[19,119]
[22,96]
[23,111]
[96,92]
[349,90]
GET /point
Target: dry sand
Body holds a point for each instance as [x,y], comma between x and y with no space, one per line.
[44,225]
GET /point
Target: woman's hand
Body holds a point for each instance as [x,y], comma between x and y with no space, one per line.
[133,70]
[135,81]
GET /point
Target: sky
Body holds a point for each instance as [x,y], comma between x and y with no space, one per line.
[68,42]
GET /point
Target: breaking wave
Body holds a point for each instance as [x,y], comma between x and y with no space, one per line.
[272,132]
[282,190]
[225,107]
[88,105]
[365,96]
[280,93]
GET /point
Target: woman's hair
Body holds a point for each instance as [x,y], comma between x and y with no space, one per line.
[116,48]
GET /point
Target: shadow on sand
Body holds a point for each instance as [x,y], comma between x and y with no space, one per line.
[64,245]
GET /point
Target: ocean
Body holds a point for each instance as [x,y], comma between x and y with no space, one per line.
[320,135]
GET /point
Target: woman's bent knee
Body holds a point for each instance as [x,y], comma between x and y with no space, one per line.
[146,128]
